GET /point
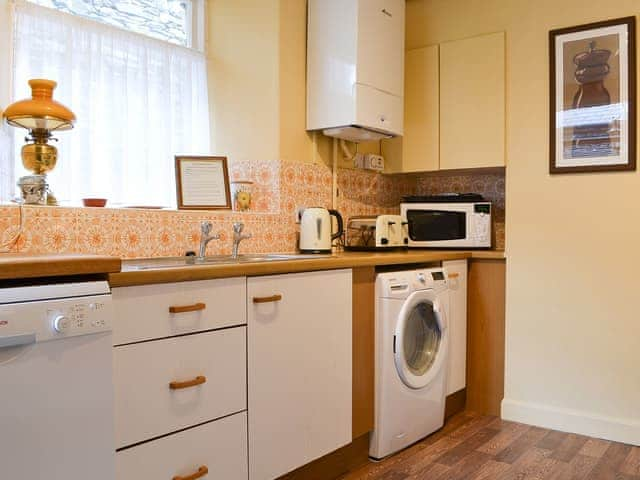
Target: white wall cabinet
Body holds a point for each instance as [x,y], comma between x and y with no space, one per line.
[299,369]
[472,102]
[457,281]
[454,107]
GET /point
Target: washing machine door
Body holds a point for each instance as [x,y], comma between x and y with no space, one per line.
[419,340]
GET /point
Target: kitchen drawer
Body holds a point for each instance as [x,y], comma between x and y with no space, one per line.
[220,446]
[146,406]
[143,312]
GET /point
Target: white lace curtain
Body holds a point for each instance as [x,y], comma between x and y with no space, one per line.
[138,102]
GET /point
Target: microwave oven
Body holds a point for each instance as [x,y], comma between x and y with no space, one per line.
[448,221]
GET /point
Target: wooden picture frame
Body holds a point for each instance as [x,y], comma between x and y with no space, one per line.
[202,183]
[592,107]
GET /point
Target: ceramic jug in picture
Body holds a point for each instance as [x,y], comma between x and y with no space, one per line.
[316,230]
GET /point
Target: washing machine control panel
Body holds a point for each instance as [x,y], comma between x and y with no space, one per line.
[437,275]
[402,284]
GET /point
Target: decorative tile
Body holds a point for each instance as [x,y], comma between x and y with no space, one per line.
[279,188]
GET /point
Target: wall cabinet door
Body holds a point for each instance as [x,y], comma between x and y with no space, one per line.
[418,150]
[299,369]
[457,281]
[472,102]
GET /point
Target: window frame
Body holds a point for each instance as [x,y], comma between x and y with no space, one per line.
[195,14]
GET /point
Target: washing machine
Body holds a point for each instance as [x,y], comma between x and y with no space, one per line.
[411,358]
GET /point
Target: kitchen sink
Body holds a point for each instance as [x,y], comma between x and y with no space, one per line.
[178,262]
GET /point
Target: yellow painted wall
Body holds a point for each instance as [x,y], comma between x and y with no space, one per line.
[243,60]
[257,77]
[573,327]
[257,70]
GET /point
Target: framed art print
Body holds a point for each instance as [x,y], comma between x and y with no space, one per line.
[593,97]
[202,183]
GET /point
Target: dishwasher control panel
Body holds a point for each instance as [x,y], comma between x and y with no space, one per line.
[86,316]
[60,318]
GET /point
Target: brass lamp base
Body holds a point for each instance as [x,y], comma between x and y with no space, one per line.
[39,156]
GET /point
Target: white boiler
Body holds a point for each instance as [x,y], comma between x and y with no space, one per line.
[355,68]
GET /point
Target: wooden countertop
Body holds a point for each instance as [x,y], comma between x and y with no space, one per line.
[488,254]
[15,266]
[340,260]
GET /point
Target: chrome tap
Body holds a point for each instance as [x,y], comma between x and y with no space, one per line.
[205,238]
[238,236]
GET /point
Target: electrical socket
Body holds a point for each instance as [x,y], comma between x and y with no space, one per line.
[374,162]
[369,161]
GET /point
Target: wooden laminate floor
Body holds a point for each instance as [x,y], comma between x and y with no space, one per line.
[473,447]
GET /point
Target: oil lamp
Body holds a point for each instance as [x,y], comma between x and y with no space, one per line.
[40,115]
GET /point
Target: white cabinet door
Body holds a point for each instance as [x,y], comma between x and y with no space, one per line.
[472,102]
[457,281]
[299,369]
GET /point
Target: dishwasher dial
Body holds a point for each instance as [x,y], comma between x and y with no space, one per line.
[61,323]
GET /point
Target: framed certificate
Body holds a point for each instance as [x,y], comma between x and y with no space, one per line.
[202,183]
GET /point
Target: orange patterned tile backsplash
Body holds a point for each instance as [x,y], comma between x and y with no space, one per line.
[279,187]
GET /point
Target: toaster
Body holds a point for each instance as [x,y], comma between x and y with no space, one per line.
[377,232]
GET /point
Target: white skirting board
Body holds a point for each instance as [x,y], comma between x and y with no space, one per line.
[566,420]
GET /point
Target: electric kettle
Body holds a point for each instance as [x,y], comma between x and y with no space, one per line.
[316,230]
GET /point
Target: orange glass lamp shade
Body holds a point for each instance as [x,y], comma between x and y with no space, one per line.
[41,111]
[41,115]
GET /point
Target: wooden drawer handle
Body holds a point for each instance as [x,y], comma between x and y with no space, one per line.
[272,298]
[202,471]
[454,275]
[187,308]
[199,380]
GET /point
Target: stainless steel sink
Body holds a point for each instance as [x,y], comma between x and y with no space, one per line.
[178,262]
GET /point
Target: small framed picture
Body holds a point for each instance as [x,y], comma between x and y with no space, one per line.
[202,183]
[593,97]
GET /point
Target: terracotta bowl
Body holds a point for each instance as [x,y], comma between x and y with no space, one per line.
[94,202]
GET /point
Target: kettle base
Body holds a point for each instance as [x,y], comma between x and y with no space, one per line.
[315,251]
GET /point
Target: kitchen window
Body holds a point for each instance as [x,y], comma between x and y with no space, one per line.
[134,73]
[175,21]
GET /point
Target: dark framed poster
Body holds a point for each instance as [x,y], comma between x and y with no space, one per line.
[593,97]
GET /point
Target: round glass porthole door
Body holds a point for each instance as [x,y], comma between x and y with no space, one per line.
[419,339]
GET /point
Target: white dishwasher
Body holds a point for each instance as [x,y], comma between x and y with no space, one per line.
[56,388]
